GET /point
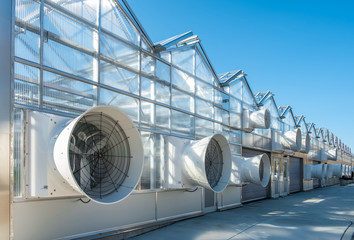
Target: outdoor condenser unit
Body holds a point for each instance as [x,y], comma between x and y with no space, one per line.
[286,141]
[257,119]
[252,169]
[98,155]
[192,163]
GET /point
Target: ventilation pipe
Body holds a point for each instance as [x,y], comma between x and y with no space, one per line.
[291,140]
[314,155]
[334,170]
[192,163]
[328,154]
[305,144]
[318,171]
[100,154]
[257,119]
[325,172]
[253,169]
[307,171]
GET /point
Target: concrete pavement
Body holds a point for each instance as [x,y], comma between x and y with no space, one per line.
[324,213]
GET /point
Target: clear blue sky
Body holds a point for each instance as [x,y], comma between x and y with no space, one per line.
[302,51]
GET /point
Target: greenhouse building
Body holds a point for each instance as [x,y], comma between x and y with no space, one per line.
[102,130]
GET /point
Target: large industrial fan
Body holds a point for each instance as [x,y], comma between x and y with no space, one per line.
[99,154]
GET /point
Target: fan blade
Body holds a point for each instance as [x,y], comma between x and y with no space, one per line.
[101,144]
[75,149]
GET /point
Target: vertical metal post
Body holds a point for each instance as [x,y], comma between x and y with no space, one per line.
[6,21]
[41,59]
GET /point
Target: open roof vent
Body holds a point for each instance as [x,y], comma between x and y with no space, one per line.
[100,154]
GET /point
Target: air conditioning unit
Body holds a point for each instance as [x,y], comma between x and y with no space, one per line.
[98,155]
[197,163]
[256,119]
[250,170]
[334,170]
[289,141]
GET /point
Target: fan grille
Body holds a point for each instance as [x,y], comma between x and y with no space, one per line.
[213,163]
[99,155]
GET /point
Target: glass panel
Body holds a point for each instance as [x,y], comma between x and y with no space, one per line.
[69,29]
[145,46]
[65,94]
[236,89]
[235,120]
[285,165]
[276,167]
[68,60]
[183,58]
[113,20]
[226,101]
[18,150]
[225,117]
[203,128]
[120,78]
[162,118]
[217,128]
[202,71]
[204,90]
[235,149]
[125,103]
[204,108]
[147,88]
[147,114]
[166,56]
[182,123]
[26,89]
[153,170]
[235,136]
[27,11]
[247,96]
[182,80]
[162,93]
[182,100]
[218,114]
[147,64]
[162,71]
[235,105]
[217,98]
[26,44]
[119,52]
[86,9]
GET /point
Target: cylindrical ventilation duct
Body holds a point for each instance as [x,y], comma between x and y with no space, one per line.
[325,173]
[305,144]
[207,163]
[100,154]
[260,119]
[292,140]
[314,155]
[307,171]
[334,170]
[318,171]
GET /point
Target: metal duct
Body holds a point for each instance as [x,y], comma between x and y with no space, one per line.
[329,154]
[100,154]
[307,171]
[257,119]
[314,155]
[291,140]
[193,163]
[253,169]
[318,171]
[305,144]
[334,170]
[325,173]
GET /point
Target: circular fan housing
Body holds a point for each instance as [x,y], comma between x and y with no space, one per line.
[207,163]
[100,154]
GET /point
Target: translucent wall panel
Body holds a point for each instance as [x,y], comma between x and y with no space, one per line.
[114,21]
[26,44]
[203,128]
[226,101]
[145,46]
[127,104]
[147,117]
[26,85]
[182,80]
[235,136]
[183,58]
[182,123]
[119,52]
[67,95]
[182,100]
[217,98]
[218,128]
[202,71]
[236,149]
[203,108]
[153,170]
[86,9]
[27,11]
[162,93]
[204,90]
[147,88]
[167,56]
[162,118]
[217,114]
[162,71]
[68,60]
[148,64]
[236,89]
[247,95]
[18,151]
[120,78]
[235,120]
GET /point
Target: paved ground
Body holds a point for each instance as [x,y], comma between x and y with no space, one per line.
[325,213]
